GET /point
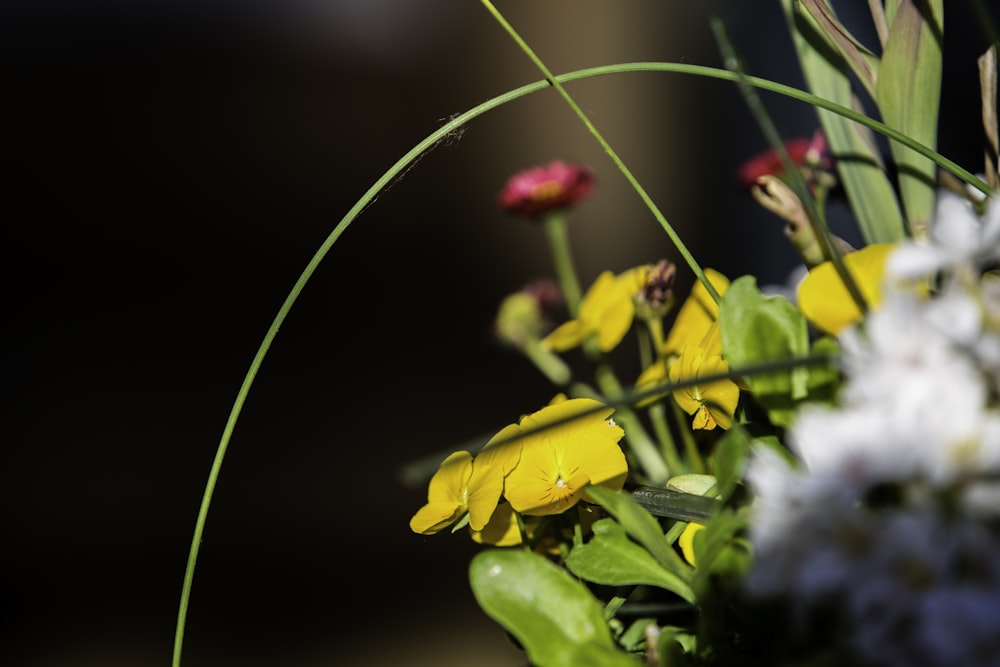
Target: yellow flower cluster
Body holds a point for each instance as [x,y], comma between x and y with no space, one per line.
[540,466]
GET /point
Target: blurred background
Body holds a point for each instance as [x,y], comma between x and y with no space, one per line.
[172,167]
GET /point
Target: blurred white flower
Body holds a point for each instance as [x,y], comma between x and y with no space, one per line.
[958,240]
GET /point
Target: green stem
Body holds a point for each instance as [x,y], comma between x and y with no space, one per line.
[657,415]
[658,418]
[695,461]
[550,364]
[556,230]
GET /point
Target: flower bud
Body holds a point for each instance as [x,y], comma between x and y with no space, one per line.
[656,297]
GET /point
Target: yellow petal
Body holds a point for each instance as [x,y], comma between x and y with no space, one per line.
[503,450]
[686,540]
[595,301]
[616,323]
[445,495]
[449,482]
[825,301]
[696,314]
[529,487]
[566,336]
[433,517]
[493,463]
[654,376]
[501,531]
[485,489]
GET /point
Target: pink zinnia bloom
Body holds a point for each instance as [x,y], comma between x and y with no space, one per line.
[538,190]
[806,153]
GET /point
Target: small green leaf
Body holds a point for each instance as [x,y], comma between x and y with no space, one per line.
[555,618]
[611,558]
[676,647]
[640,525]
[635,636]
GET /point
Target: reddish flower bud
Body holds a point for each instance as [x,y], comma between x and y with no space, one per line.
[810,155]
[539,190]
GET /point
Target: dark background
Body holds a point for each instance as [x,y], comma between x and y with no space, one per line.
[170,169]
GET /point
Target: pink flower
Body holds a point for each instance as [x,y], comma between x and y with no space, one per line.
[811,155]
[538,190]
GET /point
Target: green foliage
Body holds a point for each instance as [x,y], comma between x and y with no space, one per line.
[610,557]
[642,527]
[729,459]
[908,94]
[758,329]
[554,617]
[827,53]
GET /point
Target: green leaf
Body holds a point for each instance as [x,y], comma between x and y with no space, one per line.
[611,558]
[908,93]
[676,647]
[859,163]
[641,526]
[861,60]
[555,618]
[757,329]
[721,549]
[694,483]
[634,637]
[729,457]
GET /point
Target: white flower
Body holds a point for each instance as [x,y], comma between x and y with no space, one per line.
[958,238]
[904,588]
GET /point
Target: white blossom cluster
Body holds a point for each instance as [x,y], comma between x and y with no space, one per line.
[885,535]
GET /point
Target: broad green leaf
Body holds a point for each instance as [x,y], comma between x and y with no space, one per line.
[908,94]
[555,618]
[862,61]
[758,329]
[640,525]
[859,163]
[589,655]
[611,558]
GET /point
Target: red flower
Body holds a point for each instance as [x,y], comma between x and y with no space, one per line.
[810,155]
[538,190]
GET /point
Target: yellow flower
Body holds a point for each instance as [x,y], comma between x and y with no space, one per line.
[502,529]
[463,484]
[696,314]
[694,319]
[686,540]
[606,311]
[712,403]
[564,450]
[825,301]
